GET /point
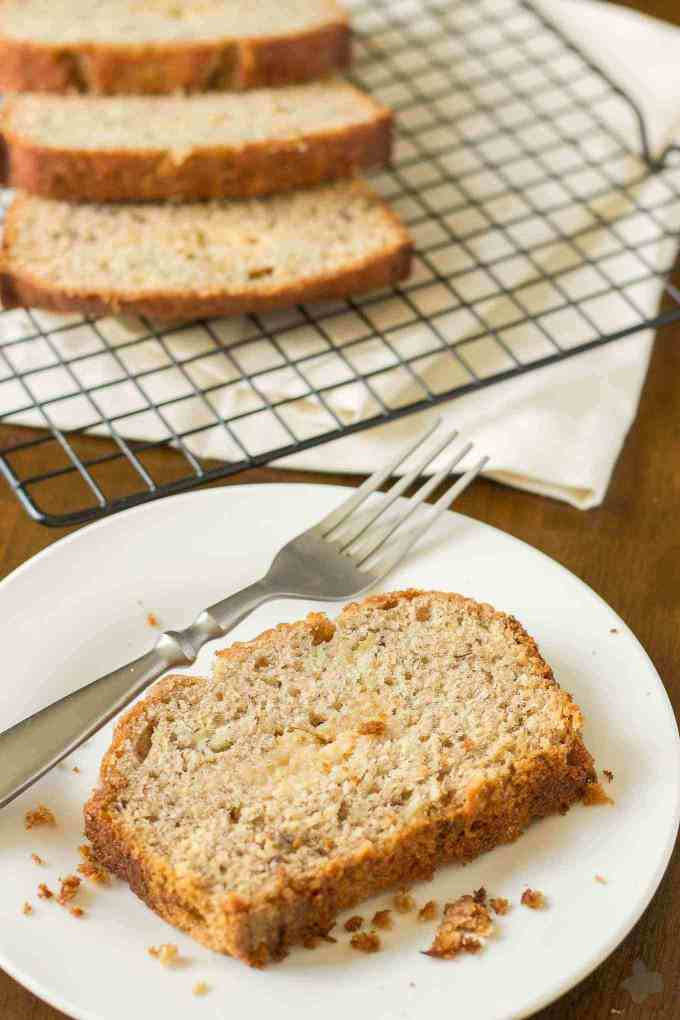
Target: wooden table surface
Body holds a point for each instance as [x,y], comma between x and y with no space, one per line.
[628,550]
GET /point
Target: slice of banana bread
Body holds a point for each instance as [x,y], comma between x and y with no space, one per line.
[178,261]
[327,760]
[217,145]
[155,46]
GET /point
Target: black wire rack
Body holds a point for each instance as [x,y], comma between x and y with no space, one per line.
[541,218]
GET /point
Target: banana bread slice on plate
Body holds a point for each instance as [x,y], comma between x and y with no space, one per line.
[330,759]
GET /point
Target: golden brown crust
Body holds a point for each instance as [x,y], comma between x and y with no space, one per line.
[23,290]
[27,66]
[260,930]
[262,168]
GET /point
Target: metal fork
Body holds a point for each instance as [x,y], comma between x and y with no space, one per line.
[346,553]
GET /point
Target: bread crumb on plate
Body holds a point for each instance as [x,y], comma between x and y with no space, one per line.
[354,923]
[69,887]
[429,911]
[404,902]
[499,904]
[167,953]
[27,909]
[201,988]
[37,859]
[39,816]
[382,919]
[44,892]
[464,926]
[365,942]
[534,899]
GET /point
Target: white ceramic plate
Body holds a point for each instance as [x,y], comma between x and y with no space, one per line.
[80,609]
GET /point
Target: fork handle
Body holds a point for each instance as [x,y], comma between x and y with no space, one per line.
[34,745]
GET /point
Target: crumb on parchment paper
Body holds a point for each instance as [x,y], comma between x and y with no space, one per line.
[499,904]
[201,988]
[27,909]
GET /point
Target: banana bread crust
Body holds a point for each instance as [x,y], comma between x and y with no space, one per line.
[255,169]
[261,929]
[27,66]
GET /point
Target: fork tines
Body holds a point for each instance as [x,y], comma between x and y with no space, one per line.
[362,535]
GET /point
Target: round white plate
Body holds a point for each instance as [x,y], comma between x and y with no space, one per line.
[80,609]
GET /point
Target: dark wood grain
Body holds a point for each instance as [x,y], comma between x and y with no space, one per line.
[628,550]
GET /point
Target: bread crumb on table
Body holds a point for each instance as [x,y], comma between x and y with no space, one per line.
[39,816]
[404,902]
[609,774]
[428,912]
[354,923]
[76,911]
[27,909]
[534,899]
[76,769]
[201,988]
[152,620]
[44,892]
[499,904]
[37,859]
[382,919]
[365,942]
[464,925]
[167,953]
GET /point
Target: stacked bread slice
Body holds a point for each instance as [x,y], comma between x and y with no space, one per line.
[257,156]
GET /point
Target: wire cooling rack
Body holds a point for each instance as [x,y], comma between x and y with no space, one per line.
[541,221]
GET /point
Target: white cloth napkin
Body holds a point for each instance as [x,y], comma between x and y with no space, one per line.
[556,431]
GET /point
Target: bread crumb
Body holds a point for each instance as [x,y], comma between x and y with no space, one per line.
[365,942]
[464,924]
[76,769]
[76,911]
[601,879]
[404,902]
[429,911]
[37,859]
[39,816]
[91,868]
[613,630]
[594,795]
[534,899]
[499,904]
[44,892]
[608,774]
[167,953]
[479,895]
[69,888]
[201,988]
[382,919]
[27,909]
[354,923]
[372,728]
[152,620]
